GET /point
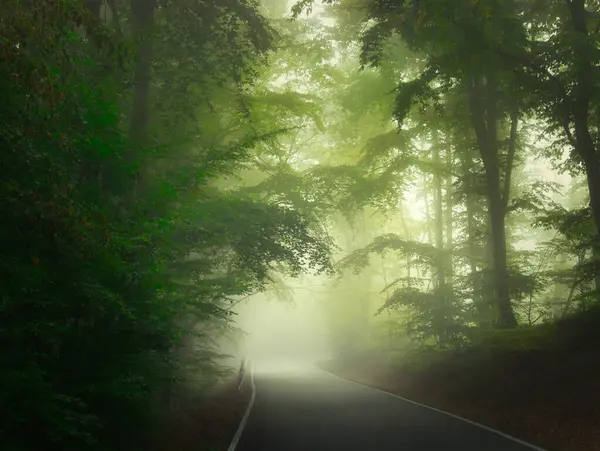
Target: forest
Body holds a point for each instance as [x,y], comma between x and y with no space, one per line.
[426,173]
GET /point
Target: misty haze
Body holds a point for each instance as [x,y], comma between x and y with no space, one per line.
[283,334]
[300,225]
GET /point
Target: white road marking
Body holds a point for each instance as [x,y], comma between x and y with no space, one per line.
[514,439]
[240,429]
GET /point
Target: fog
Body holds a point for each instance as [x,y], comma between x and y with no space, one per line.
[280,333]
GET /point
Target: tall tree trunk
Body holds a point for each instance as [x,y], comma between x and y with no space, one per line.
[484,115]
[389,312]
[440,318]
[428,220]
[427,210]
[558,295]
[584,144]
[449,232]
[480,302]
[449,216]
[581,109]
[496,209]
[406,233]
[593,180]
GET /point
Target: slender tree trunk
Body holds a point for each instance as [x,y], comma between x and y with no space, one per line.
[406,233]
[482,303]
[484,116]
[593,180]
[449,232]
[427,211]
[587,151]
[440,318]
[428,221]
[449,215]
[584,144]
[389,312]
[558,295]
[438,222]
[510,155]
[505,313]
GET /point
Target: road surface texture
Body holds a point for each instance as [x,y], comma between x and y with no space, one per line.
[312,410]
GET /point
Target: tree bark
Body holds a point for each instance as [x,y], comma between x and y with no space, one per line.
[481,304]
[449,216]
[427,212]
[510,155]
[584,143]
[505,312]
[440,317]
[484,116]
[438,221]
[406,233]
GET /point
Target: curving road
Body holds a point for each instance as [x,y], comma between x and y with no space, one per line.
[309,409]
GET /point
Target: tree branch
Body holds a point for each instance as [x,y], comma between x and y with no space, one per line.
[510,157]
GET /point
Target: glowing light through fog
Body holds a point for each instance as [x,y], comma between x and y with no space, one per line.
[282,334]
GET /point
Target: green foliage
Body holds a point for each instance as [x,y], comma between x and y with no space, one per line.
[119,263]
[295,103]
[382,244]
[526,338]
[123,262]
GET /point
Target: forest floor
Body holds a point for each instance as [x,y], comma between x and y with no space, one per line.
[546,393]
[209,422]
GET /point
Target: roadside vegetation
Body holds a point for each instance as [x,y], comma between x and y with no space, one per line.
[434,165]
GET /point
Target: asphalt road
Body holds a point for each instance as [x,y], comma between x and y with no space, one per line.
[311,410]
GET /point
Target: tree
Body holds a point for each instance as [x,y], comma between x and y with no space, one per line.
[445,35]
[103,286]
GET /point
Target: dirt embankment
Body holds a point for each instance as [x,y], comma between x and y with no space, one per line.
[545,392]
[209,422]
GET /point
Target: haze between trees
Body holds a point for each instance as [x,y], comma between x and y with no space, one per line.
[166,159]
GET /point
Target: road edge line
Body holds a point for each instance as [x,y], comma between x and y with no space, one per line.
[242,425]
[474,423]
